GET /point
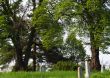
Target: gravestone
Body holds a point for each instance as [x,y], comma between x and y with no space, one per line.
[87,69]
[102,68]
[80,70]
[42,68]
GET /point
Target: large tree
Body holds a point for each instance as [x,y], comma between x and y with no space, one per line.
[95,16]
[90,17]
[18,29]
[23,34]
[50,30]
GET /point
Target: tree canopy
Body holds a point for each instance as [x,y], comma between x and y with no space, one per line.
[37,29]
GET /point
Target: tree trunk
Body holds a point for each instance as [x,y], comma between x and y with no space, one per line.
[34,58]
[95,63]
[19,60]
[29,47]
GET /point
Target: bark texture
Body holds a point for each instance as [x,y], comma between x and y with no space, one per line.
[95,62]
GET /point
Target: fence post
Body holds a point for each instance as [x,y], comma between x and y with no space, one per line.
[87,69]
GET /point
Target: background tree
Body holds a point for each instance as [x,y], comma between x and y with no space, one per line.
[26,32]
[90,18]
[50,31]
[74,48]
[15,25]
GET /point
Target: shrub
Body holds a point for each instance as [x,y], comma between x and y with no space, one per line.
[65,66]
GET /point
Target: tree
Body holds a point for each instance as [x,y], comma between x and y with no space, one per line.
[20,32]
[74,47]
[6,48]
[90,17]
[96,18]
[45,27]
[50,31]
[23,34]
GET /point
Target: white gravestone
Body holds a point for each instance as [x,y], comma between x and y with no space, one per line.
[42,68]
[102,68]
[80,70]
[87,69]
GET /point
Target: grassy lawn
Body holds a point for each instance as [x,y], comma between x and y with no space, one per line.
[106,74]
[55,74]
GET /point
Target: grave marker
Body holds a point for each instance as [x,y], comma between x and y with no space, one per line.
[80,70]
[87,69]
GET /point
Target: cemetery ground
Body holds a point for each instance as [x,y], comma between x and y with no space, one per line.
[51,74]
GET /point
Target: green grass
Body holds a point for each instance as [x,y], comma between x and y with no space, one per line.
[55,74]
[106,74]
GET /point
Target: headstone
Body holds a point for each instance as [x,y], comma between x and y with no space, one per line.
[43,68]
[87,69]
[40,68]
[80,70]
[102,68]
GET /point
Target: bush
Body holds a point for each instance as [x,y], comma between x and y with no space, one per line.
[65,66]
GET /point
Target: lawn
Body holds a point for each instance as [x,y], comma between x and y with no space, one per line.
[106,74]
[53,74]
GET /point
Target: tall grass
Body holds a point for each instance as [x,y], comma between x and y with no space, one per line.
[55,74]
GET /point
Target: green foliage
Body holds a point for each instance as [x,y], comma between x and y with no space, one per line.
[98,21]
[67,9]
[60,10]
[93,5]
[49,30]
[3,28]
[65,66]
[6,49]
[6,53]
[74,47]
[15,6]
[90,15]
